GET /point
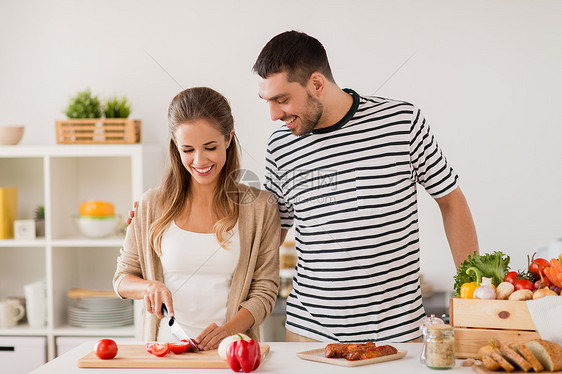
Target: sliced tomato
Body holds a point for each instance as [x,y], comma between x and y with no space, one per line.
[150,346]
[178,348]
[161,349]
[191,347]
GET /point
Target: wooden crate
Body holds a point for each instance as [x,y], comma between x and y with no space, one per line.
[98,131]
[475,321]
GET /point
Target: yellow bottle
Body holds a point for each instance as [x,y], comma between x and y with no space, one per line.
[8,211]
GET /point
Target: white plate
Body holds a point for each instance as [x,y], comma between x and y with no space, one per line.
[101,325]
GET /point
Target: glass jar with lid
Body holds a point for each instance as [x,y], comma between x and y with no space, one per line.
[440,347]
[428,321]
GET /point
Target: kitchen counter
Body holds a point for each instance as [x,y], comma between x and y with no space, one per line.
[281,359]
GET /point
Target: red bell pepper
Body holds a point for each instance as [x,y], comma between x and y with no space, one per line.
[245,355]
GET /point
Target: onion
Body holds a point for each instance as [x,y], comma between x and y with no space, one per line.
[223,346]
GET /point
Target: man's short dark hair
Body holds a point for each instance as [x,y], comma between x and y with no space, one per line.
[297,54]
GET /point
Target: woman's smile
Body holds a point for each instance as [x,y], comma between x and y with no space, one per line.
[203,171]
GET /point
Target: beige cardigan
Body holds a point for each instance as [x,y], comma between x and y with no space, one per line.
[255,280]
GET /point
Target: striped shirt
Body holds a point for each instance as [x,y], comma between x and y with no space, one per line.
[350,190]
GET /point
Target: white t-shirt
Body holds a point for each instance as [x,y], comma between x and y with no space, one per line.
[198,272]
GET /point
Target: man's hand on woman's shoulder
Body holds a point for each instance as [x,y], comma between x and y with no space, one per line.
[132,213]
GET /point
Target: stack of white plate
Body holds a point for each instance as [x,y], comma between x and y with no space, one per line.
[100,312]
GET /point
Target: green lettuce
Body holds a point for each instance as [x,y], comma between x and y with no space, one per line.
[491,265]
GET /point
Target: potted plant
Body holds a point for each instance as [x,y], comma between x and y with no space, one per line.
[39,216]
[86,125]
[117,108]
[84,105]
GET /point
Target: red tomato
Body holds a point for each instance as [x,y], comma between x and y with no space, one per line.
[150,346]
[106,349]
[524,284]
[511,277]
[178,348]
[539,263]
[160,349]
[191,347]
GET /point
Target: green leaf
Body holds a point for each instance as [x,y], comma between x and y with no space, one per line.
[117,108]
[491,265]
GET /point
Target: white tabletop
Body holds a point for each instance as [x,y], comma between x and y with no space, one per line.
[281,359]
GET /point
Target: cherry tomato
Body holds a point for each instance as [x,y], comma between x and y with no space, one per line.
[538,265]
[178,348]
[511,277]
[106,349]
[160,349]
[524,284]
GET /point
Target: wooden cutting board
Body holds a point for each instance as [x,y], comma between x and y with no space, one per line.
[483,370]
[136,356]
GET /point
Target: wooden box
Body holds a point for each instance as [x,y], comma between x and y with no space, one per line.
[475,321]
[98,131]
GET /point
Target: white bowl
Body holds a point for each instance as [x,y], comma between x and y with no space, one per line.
[97,227]
[10,135]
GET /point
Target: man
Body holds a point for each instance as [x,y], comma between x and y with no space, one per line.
[344,170]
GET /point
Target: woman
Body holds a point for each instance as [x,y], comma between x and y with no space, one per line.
[198,244]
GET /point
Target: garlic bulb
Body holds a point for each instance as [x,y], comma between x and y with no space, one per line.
[486,291]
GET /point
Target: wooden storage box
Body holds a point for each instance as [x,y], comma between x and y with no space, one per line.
[98,131]
[475,321]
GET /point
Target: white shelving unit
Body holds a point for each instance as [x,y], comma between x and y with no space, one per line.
[61,177]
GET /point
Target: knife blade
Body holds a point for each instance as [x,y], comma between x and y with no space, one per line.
[177,330]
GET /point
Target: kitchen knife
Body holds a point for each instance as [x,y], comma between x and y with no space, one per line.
[176,329]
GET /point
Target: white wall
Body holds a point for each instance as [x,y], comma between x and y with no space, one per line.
[486,74]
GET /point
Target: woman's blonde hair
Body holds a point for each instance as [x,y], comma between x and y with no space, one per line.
[188,106]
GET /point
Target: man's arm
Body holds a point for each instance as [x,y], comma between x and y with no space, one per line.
[459,226]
